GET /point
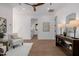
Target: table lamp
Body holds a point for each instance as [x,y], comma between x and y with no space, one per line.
[74,24]
[61,26]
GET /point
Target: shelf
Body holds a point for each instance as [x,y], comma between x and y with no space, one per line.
[69,45]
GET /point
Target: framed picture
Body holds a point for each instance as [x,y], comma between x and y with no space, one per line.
[46,26]
[55,26]
[70,17]
[3,25]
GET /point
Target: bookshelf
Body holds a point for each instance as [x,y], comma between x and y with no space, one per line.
[68,45]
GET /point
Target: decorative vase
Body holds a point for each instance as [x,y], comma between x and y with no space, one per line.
[64,33]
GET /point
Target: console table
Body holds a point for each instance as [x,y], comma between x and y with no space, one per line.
[5,42]
[68,45]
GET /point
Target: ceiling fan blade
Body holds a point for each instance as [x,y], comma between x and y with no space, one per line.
[28,4]
[38,4]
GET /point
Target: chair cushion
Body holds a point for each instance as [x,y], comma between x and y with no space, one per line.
[14,36]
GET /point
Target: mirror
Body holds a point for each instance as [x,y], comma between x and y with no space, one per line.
[70,31]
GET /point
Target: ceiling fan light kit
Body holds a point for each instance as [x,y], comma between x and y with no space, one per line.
[35,5]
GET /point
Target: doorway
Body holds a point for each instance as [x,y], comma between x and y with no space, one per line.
[34,28]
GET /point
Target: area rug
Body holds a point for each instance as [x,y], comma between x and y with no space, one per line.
[22,50]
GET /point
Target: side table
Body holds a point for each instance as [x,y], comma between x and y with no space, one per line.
[5,43]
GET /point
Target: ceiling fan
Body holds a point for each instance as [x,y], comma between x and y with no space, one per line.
[34,5]
[50,9]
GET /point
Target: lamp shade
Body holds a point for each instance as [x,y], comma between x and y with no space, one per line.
[73,23]
[60,25]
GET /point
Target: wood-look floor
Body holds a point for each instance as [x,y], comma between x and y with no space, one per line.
[44,48]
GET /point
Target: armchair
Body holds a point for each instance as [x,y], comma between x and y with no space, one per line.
[15,40]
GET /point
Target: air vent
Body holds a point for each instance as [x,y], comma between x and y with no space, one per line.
[51,10]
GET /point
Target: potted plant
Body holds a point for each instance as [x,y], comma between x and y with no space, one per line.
[64,33]
[1,35]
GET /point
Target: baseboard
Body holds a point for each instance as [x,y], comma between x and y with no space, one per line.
[46,39]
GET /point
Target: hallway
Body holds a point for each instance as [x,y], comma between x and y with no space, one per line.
[44,48]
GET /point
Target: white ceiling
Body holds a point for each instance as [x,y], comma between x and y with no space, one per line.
[55,6]
[42,9]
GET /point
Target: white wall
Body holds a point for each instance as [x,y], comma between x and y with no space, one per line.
[45,35]
[62,13]
[42,15]
[22,21]
[6,12]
